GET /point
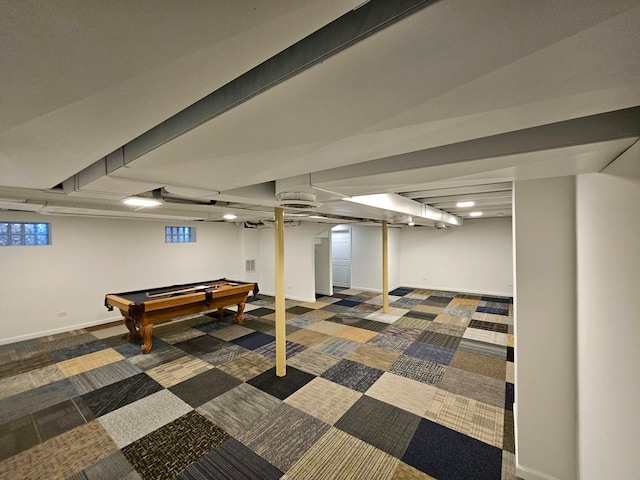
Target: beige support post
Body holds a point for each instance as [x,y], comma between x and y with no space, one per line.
[385,270]
[281,329]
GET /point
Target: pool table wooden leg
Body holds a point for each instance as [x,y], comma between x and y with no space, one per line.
[133,335]
[239,318]
[145,331]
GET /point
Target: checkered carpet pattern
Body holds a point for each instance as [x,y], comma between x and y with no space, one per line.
[422,391]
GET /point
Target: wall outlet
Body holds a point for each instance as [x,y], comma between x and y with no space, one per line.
[62,314]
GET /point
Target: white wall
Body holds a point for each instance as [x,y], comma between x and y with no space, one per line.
[91,257]
[608,227]
[366,257]
[476,258]
[299,260]
[545,329]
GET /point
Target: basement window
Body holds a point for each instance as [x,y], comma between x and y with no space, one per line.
[13,234]
[179,234]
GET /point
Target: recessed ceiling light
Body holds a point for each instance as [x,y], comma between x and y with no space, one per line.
[465,204]
[142,201]
[475,214]
[229,216]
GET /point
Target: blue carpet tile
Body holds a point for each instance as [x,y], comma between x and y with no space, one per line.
[360,398]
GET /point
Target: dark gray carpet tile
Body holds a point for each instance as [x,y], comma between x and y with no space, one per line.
[57,419]
[110,467]
[119,394]
[406,303]
[169,450]
[483,348]
[443,294]
[203,387]
[116,340]
[17,435]
[298,310]
[261,312]
[201,345]
[16,367]
[231,461]
[283,435]
[432,353]
[90,380]
[389,342]
[31,401]
[224,355]
[440,339]
[78,350]
[437,301]
[469,296]
[417,369]
[344,319]
[371,325]
[259,324]
[281,387]
[212,325]
[359,298]
[490,326]
[447,329]
[400,331]
[335,308]
[162,352]
[357,376]
[422,315]
[382,425]
[291,349]
[47,345]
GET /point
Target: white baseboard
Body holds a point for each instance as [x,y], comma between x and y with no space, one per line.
[458,290]
[530,474]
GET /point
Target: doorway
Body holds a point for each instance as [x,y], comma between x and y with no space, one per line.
[341,256]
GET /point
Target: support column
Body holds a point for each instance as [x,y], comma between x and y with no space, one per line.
[385,269]
[281,332]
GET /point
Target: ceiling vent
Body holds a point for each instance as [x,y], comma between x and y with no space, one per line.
[297,200]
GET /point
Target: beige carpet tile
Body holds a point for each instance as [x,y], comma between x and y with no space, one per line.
[324,399]
[318,314]
[272,316]
[178,370]
[61,456]
[402,392]
[508,466]
[307,337]
[77,365]
[380,316]
[417,295]
[32,379]
[510,375]
[356,334]
[373,356]
[313,361]
[447,329]
[407,472]
[137,419]
[181,335]
[378,299]
[511,340]
[474,302]
[481,364]
[247,366]
[410,322]
[486,336]
[471,417]
[231,332]
[491,317]
[328,328]
[351,458]
[313,305]
[452,320]
[237,410]
[110,331]
[478,387]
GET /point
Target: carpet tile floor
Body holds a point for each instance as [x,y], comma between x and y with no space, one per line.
[423,391]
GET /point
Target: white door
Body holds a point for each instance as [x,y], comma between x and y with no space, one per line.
[341,257]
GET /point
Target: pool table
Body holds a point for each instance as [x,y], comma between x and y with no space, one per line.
[143,308]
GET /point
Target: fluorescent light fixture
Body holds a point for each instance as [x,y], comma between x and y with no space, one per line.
[475,214]
[465,204]
[229,216]
[142,201]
